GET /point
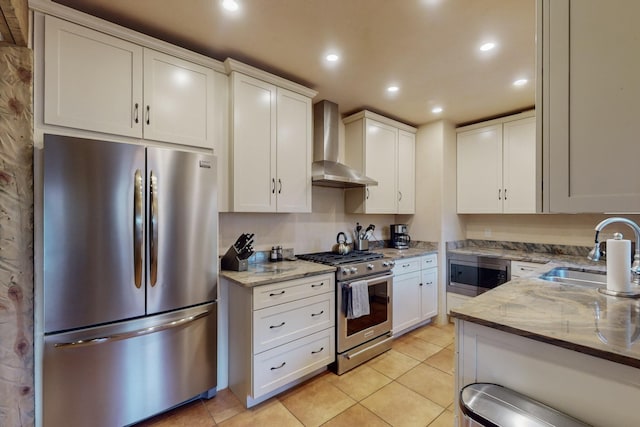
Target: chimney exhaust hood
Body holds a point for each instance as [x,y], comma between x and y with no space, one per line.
[326,171]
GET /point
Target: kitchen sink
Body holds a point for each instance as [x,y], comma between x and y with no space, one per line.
[576,276]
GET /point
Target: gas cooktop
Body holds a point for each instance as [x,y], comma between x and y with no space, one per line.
[331,258]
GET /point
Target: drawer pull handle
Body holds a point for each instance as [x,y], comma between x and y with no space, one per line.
[429,261]
[317,314]
[278,367]
[317,351]
[429,283]
[405,265]
[317,285]
[276,326]
[276,294]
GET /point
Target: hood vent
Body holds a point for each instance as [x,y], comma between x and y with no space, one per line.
[326,171]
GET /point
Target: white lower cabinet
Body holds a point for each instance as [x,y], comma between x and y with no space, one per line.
[415,292]
[279,334]
[523,268]
[596,391]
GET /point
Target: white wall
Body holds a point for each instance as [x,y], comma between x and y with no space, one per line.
[543,228]
[311,232]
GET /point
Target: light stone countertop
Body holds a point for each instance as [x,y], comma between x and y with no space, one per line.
[407,253]
[264,273]
[571,316]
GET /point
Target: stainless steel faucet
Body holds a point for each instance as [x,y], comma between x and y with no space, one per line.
[594,254]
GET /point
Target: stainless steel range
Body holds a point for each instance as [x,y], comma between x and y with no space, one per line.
[361,338]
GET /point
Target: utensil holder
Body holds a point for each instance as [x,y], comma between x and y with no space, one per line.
[361,245]
[230,261]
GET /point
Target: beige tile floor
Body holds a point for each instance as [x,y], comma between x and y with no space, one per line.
[410,385]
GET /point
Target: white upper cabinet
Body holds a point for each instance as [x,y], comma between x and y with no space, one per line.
[589,101]
[293,154]
[177,100]
[520,170]
[498,167]
[92,81]
[383,150]
[270,147]
[406,172]
[97,82]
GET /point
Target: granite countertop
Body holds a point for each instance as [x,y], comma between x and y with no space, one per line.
[528,256]
[424,249]
[264,273]
[571,316]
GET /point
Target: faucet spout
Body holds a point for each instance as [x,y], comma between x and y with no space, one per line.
[594,255]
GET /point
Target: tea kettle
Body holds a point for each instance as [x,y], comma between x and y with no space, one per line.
[341,247]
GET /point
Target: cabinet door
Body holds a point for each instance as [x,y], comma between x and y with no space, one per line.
[590,109]
[519,166]
[294,152]
[406,172]
[406,301]
[178,100]
[92,81]
[479,170]
[380,164]
[429,294]
[253,144]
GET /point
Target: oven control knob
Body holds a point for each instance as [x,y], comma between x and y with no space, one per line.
[370,266]
[390,263]
[354,270]
[344,271]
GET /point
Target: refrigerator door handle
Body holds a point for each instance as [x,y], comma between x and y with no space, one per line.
[153,228]
[138,242]
[137,333]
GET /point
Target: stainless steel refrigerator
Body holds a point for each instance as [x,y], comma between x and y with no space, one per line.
[129,280]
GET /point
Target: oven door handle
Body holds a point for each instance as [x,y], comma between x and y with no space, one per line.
[370,280]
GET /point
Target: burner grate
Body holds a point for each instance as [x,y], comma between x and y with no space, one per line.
[331,258]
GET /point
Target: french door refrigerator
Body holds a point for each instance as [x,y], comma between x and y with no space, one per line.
[129,280]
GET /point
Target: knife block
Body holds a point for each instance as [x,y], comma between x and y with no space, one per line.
[230,261]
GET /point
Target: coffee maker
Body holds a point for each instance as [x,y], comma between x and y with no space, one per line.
[399,236]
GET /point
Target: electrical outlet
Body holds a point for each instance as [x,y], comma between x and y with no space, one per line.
[487,232]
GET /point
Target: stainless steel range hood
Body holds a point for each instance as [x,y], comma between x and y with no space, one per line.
[326,171]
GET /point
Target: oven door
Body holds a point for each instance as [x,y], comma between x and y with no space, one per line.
[353,332]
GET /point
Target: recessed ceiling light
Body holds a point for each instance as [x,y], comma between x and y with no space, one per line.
[436,110]
[332,57]
[487,46]
[520,82]
[230,5]
[393,89]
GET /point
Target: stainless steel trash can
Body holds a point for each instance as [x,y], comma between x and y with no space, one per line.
[492,405]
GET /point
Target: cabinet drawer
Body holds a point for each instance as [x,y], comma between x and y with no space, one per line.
[281,365]
[523,268]
[406,265]
[291,290]
[277,325]
[429,261]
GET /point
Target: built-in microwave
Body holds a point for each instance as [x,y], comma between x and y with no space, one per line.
[472,275]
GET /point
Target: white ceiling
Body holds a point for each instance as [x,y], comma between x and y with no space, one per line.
[429,48]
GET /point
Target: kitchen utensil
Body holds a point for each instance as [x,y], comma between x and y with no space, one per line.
[358,235]
[341,247]
[369,232]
